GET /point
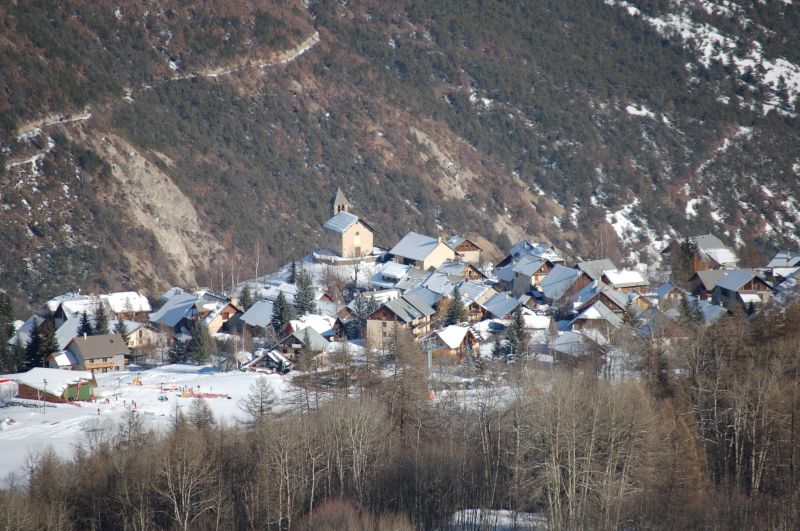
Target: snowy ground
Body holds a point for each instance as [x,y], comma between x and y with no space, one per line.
[63,426]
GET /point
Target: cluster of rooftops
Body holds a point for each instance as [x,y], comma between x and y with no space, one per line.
[412,284]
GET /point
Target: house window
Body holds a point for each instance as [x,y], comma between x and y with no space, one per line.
[358,233]
[384,334]
[225,315]
[383,324]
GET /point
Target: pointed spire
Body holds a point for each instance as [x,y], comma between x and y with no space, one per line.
[340,202]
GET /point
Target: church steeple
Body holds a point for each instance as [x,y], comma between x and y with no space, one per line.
[340,202]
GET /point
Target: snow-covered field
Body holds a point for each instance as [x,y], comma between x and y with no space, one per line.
[64,426]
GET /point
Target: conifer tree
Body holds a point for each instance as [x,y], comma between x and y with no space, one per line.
[307,352]
[304,302]
[100,320]
[455,309]
[178,353]
[122,329]
[49,342]
[246,298]
[200,345]
[33,349]
[85,326]
[282,313]
[630,315]
[6,316]
[15,359]
[517,335]
[293,272]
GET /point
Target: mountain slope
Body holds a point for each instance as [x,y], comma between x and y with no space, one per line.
[598,127]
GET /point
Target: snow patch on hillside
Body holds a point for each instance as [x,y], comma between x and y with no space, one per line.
[639,111]
[713,45]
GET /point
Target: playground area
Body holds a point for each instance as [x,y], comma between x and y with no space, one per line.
[154,393]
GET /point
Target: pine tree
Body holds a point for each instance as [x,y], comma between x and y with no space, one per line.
[33,350]
[6,316]
[16,359]
[259,401]
[85,326]
[282,313]
[246,298]
[304,299]
[200,345]
[293,272]
[122,329]
[696,312]
[517,335]
[630,315]
[178,353]
[455,309]
[307,351]
[49,342]
[100,320]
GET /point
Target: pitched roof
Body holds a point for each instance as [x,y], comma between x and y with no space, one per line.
[596,268]
[176,308]
[342,221]
[409,308]
[597,287]
[501,305]
[259,314]
[440,282]
[665,289]
[424,294]
[317,342]
[453,335]
[458,239]
[599,312]
[340,199]
[415,246]
[412,279]
[526,248]
[785,259]
[570,343]
[709,246]
[625,278]
[710,277]
[127,301]
[528,265]
[57,379]
[106,345]
[736,278]
[320,323]
[558,281]
[471,290]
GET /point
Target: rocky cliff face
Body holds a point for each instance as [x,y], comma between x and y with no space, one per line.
[164,143]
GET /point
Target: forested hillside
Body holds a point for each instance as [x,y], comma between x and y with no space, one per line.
[204,131]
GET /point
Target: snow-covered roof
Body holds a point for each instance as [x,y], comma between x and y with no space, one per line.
[25,330]
[259,314]
[626,278]
[558,281]
[57,379]
[453,268]
[570,343]
[750,298]
[472,290]
[598,312]
[429,297]
[412,279]
[127,301]
[176,308]
[501,305]
[415,246]
[597,287]
[394,270]
[64,359]
[785,259]
[505,273]
[453,335]
[79,305]
[323,325]
[710,247]
[712,312]
[317,341]
[526,248]
[528,265]
[535,321]
[596,268]
[440,283]
[340,222]
[55,302]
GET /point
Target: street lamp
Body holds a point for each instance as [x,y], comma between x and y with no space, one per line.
[44,397]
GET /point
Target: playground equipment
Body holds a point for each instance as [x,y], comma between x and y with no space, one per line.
[137,380]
